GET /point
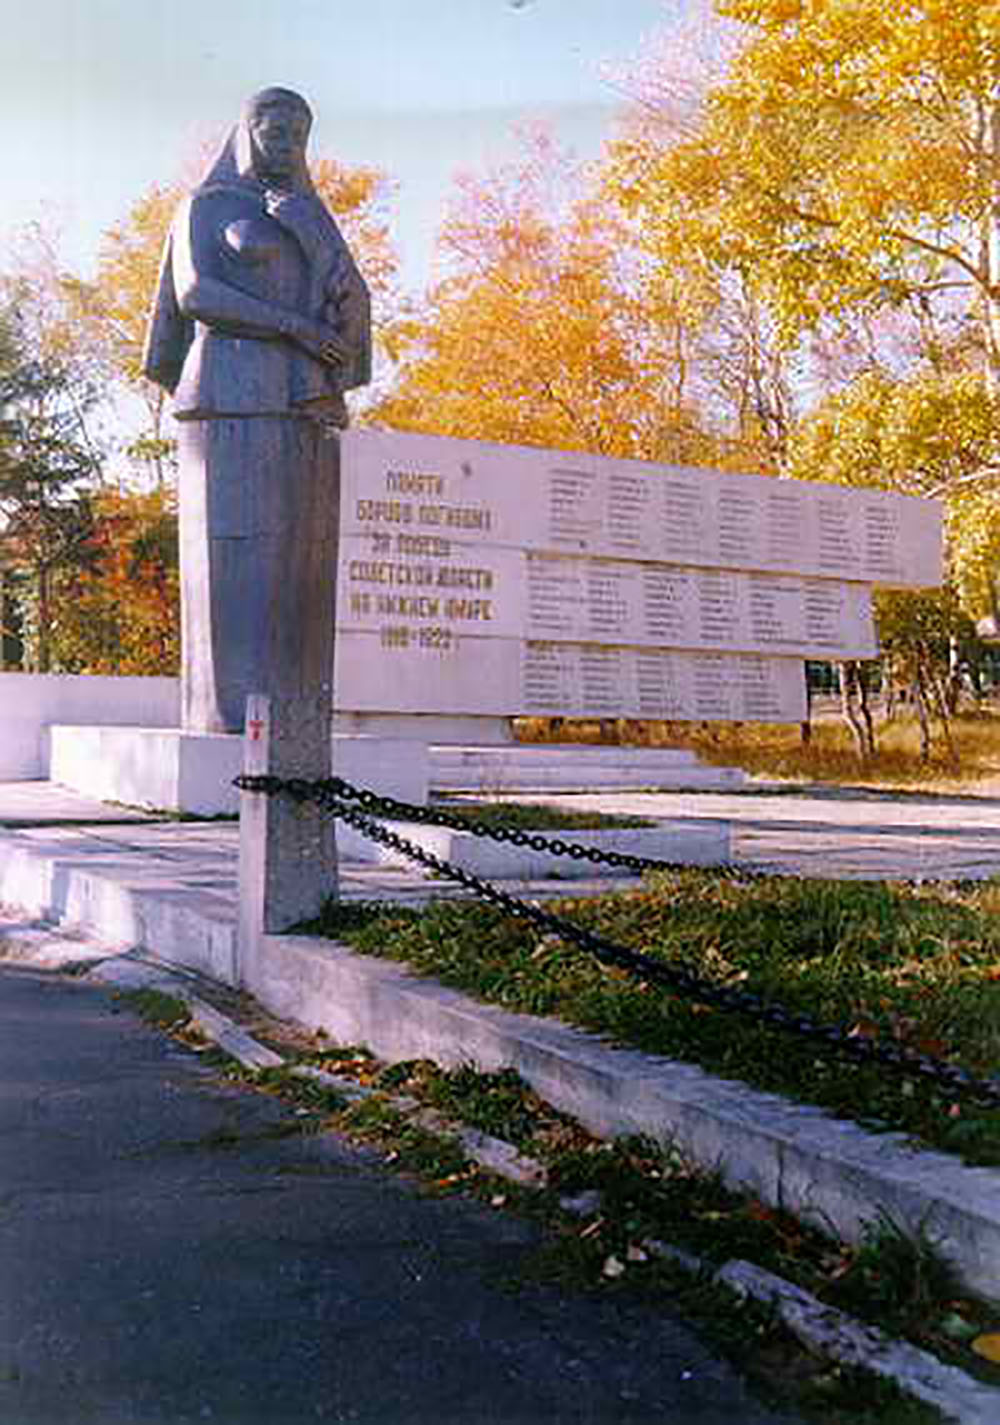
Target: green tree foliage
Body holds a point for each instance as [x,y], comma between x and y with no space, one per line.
[923,434]
[929,646]
[46,466]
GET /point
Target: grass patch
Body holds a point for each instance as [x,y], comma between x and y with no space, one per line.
[920,965]
[776,750]
[900,1280]
[520,816]
[646,1190]
[155,1007]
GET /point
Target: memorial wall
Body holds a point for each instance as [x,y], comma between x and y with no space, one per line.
[488,579]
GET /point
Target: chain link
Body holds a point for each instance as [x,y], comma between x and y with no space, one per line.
[377,805]
[331,794]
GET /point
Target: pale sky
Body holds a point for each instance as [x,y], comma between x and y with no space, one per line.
[101,98]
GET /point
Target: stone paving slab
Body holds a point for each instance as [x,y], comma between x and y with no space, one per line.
[35,803]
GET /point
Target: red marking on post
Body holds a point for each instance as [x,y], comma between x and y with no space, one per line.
[256,726]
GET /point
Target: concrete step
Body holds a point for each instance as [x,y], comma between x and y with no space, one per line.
[526,767]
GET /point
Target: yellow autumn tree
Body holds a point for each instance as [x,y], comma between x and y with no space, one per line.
[927,433]
[848,161]
[843,167]
[119,606]
[742,371]
[538,333]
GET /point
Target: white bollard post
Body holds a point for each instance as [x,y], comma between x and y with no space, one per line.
[288,850]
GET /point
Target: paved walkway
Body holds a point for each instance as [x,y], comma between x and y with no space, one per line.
[817,833]
[177,1251]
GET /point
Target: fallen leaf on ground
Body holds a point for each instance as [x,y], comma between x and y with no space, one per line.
[988,1346]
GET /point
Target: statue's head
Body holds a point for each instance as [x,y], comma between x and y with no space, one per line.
[268,145]
[276,123]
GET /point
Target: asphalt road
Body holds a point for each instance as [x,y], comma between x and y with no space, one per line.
[169,1252]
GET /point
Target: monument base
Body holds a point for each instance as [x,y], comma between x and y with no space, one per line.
[433,729]
[160,768]
[166,769]
[689,843]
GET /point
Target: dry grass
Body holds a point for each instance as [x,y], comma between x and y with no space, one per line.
[776,751]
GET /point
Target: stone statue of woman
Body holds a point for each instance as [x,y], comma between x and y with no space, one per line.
[260,325]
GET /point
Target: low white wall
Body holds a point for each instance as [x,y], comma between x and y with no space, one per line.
[31,702]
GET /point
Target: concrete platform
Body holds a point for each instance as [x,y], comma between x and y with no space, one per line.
[829,831]
[691,842]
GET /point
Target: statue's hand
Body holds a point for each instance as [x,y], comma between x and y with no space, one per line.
[321,342]
[292,210]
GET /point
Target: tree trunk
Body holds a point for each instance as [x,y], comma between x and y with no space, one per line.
[920,698]
[805,728]
[941,695]
[853,702]
[44,619]
[864,706]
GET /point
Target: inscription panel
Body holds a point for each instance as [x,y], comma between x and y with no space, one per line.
[426,581]
[474,491]
[611,601]
[742,522]
[659,683]
[485,578]
[473,675]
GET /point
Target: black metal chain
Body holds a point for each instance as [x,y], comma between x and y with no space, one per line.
[378,805]
[950,1078]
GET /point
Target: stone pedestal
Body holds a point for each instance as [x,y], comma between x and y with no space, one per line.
[260,499]
[169,770]
[161,768]
[574,767]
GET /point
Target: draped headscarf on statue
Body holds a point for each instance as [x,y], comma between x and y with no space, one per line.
[338,294]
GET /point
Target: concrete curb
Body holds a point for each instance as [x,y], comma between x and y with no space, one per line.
[693,843]
[958,1396]
[820,1328]
[825,1170]
[130,973]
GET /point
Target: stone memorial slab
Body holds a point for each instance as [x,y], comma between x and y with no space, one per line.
[404,674]
[491,579]
[610,601]
[659,683]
